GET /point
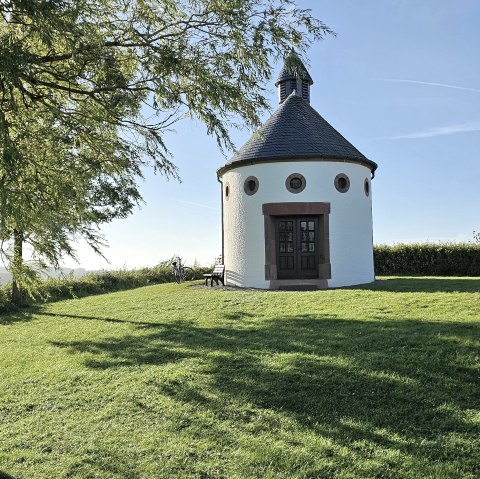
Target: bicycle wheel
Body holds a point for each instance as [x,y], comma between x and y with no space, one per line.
[188,273]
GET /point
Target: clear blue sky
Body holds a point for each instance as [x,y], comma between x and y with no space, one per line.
[401,82]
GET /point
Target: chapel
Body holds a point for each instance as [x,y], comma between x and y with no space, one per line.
[297,200]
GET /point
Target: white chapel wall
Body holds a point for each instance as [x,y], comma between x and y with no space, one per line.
[351,248]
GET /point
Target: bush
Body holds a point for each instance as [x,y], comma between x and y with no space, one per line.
[54,289]
[5,299]
[428,259]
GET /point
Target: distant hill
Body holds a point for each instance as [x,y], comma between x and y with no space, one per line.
[5,276]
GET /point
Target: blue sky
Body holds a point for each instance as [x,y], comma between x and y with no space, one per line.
[401,82]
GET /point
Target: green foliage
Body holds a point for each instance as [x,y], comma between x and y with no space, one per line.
[54,289]
[88,88]
[177,382]
[428,259]
[294,64]
[6,300]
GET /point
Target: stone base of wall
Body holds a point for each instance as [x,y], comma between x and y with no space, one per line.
[298,284]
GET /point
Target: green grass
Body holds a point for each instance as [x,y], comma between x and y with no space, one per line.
[173,381]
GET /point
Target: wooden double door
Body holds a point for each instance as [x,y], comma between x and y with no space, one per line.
[297,247]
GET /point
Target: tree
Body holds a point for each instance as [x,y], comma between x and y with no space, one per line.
[56,187]
[87,90]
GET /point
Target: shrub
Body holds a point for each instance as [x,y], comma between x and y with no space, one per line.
[5,299]
[428,259]
[54,289]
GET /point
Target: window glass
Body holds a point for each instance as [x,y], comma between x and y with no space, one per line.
[295,183]
[251,185]
[342,183]
[366,187]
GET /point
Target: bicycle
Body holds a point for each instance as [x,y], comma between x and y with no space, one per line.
[182,273]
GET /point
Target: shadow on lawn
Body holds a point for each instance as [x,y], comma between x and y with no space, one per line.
[4,475]
[128,350]
[22,316]
[403,385]
[40,312]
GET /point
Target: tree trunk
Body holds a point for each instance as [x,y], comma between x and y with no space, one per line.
[17,267]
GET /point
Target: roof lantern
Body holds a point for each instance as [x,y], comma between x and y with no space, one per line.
[293,78]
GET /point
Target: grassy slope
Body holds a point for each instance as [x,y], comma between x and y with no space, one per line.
[170,381]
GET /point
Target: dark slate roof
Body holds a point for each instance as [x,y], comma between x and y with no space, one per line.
[296,131]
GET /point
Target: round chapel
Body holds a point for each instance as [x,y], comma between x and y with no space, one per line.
[297,200]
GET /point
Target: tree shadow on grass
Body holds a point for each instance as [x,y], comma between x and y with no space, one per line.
[21,316]
[97,318]
[128,350]
[404,385]
[4,475]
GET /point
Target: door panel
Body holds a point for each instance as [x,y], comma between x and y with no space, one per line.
[297,248]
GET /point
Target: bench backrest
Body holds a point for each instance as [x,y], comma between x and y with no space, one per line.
[219,269]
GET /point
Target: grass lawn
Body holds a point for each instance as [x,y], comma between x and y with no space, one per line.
[175,381]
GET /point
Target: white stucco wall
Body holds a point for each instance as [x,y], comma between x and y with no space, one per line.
[351,243]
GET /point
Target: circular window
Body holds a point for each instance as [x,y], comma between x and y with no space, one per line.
[342,183]
[251,185]
[227,191]
[295,183]
[366,186]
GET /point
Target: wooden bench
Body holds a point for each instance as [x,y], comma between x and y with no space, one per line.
[218,274]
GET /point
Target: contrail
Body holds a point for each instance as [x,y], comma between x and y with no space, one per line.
[442,85]
[200,205]
[440,131]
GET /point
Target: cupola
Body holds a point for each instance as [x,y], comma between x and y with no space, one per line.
[293,77]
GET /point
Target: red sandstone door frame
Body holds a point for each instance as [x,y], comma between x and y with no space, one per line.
[273,211]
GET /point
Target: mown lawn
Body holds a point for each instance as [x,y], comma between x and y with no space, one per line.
[174,381]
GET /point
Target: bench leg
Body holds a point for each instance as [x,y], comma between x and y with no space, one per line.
[213,278]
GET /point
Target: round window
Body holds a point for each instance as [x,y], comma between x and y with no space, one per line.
[295,183]
[251,185]
[366,186]
[342,183]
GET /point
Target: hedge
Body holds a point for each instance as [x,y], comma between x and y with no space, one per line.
[54,289]
[428,259]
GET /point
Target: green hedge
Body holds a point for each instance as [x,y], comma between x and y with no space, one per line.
[54,289]
[428,259]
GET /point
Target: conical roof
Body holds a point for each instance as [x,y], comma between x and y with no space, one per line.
[296,131]
[293,68]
